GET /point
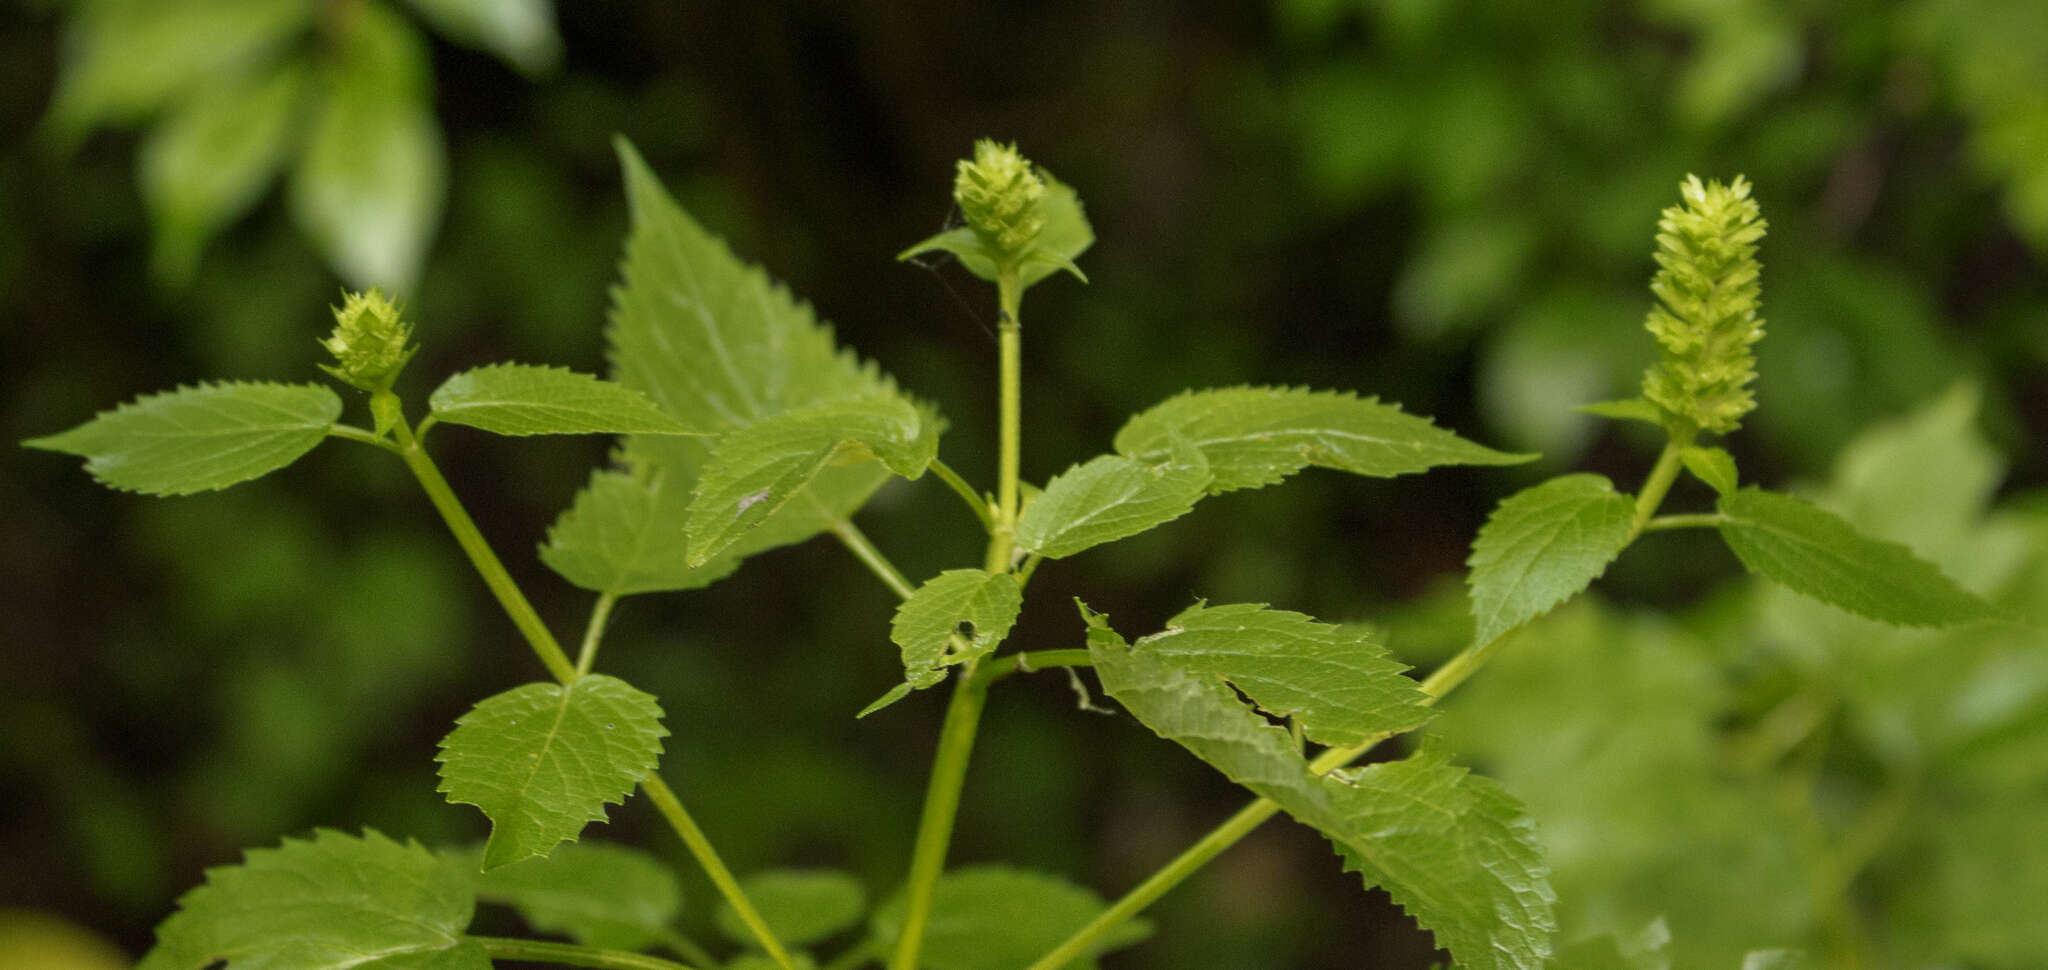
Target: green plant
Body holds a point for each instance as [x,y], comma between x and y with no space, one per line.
[747,428]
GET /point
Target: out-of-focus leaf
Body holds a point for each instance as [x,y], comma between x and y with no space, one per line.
[1000,918]
[196,439]
[520,32]
[595,893]
[370,180]
[801,906]
[123,59]
[210,160]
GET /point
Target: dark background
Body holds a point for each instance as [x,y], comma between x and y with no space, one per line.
[1448,205]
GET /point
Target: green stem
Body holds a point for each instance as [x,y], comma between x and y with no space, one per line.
[966,492]
[1702,520]
[1657,485]
[1010,338]
[1444,680]
[592,634]
[572,955]
[857,543]
[1001,667]
[353,433]
[941,806]
[1030,566]
[714,867]
[480,555]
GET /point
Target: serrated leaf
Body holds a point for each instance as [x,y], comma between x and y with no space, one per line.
[1064,238]
[757,469]
[519,32]
[624,535]
[1336,682]
[207,163]
[596,893]
[122,60]
[1002,918]
[196,439]
[801,906]
[718,345]
[1256,436]
[523,399]
[1542,546]
[927,623]
[1715,466]
[332,902]
[543,759]
[1814,552]
[1111,497]
[371,177]
[1452,848]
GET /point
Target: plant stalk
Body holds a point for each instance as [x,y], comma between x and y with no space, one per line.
[1010,340]
[480,555]
[941,807]
[1657,485]
[572,955]
[976,503]
[600,615]
[857,543]
[714,867]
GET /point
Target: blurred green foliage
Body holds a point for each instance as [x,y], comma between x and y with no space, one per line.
[1448,204]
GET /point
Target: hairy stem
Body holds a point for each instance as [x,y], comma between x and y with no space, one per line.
[714,867]
[600,615]
[941,806]
[1657,485]
[1444,680]
[572,955]
[1010,338]
[480,555]
[966,492]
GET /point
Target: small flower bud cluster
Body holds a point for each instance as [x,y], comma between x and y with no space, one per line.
[1707,314]
[370,342]
[998,195]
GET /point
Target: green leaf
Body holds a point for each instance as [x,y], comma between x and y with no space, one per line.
[595,893]
[1065,237]
[543,759]
[124,59]
[1111,497]
[1627,409]
[1814,552]
[757,469]
[332,902]
[208,163]
[802,906]
[522,399]
[1336,682]
[1715,466]
[1002,918]
[520,32]
[710,337]
[1452,848]
[927,623]
[370,181]
[196,439]
[624,535]
[1256,436]
[1542,546]
[1778,960]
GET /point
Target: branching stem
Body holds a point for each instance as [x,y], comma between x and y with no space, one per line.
[941,806]
[600,615]
[1657,485]
[975,502]
[671,808]
[857,543]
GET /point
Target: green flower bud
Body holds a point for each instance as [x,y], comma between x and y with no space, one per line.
[370,342]
[998,195]
[1707,312]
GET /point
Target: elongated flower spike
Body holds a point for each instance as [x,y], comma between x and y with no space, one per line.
[370,343]
[999,194]
[1707,314]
